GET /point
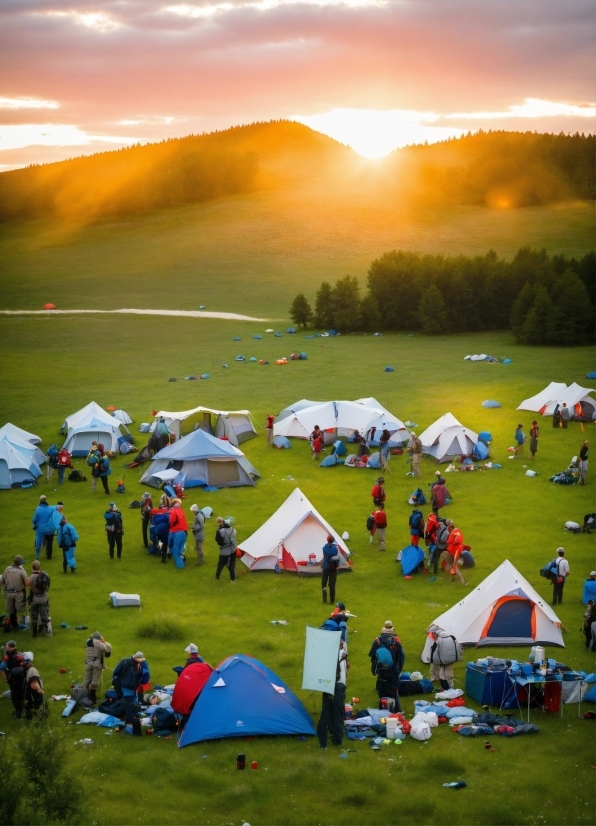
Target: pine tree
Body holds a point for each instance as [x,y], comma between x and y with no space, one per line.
[534,328]
[521,308]
[370,317]
[324,306]
[346,304]
[301,311]
[571,312]
[432,311]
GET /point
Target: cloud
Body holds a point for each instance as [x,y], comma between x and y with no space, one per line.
[17,136]
[532,108]
[27,103]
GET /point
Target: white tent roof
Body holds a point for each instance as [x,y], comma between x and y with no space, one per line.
[571,396]
[341,416]
[535,403]
[12,430]
[26,448]
[468,619]
[447,438]
[122,416]
[15,466]
[185,414]
[235,425]
[91,412]
[294,408]
[294,531]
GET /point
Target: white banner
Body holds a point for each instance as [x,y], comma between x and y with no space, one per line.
[320,659]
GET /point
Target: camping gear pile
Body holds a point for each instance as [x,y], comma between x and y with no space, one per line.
[20,458]
[490,359]
[569,476]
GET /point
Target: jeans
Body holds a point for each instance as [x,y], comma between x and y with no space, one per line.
[558,591]
[177,540]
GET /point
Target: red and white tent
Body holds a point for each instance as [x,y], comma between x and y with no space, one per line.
[289,536]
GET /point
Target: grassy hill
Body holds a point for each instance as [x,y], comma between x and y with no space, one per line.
[315,211]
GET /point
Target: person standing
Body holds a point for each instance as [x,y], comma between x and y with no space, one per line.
[560,574]
[430,537]
[317,446]
[15,582]
[455,546]
[128,677]
[520,438]
[589,619]
[162,433]
[384,449]
[333,705]
[557,416]
[193,655]
[444,653]
[269,429]
[43,527]
[387,659]
[67,541]
[416,448]
[96,648]
[198,532]
[64,463]
[146,506]
[416,525]
[51,462]
[564,415]
[439,495]
[100,468]
[92,461]
[160,528]
[33,688]
[380,526]
[39,603]
[225,536]
[583,462]
[114,530]
[178,532]
[12,670]
[534,434]
[329,566]
[378,492]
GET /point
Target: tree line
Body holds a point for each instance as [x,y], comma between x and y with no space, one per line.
[543,299]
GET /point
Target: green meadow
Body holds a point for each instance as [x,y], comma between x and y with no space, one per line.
[52,366]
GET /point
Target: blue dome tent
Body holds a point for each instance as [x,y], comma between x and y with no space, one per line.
[411,557]
[491,403]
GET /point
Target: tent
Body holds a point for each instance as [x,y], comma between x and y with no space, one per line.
[581,405]
[447,439]
[244,698]
[204,460]
[12,430]
[28,449]
[91,423]
[338,418]
[294,531]
[295,408]
[16,467]
[122,416]
[503,610]
[411,557]
[189,685]
[236,425]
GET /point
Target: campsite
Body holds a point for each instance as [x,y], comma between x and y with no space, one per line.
[504,515]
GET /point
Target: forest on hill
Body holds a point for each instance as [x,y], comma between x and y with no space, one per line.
[543,299]
[500,170]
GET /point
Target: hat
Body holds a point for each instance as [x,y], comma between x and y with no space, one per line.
[96,635]
[138,656]
[43,498]
[437,472]
[194,508]
[112,504]
[593,573]
[28,656]
[388,628]
[18,560]
[191,649]
[146,496]
[341,606]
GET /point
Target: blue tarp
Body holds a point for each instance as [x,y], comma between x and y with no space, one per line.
[491,403]
[591,376]
[339,449]
[411,557]
[244,698]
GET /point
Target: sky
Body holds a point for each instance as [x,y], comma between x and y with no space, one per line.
[81,77]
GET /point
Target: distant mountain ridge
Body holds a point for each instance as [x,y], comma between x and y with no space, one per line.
[495,169]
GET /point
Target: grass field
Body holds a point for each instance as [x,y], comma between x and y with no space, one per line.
[53,366]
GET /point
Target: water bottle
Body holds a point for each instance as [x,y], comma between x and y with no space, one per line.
[49,627]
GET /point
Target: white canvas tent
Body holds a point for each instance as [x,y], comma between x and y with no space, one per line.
[91,424]
[16,466]
[294,531]
[12,430]
[201,459]
[235,425]
[26,448]
[122,416]
[295,408]
[503,610]
[577,399]
[91,411]
[448,439]
[336,419]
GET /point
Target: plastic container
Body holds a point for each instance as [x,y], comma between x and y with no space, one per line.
[391,725]
[254,765]
[537,654]
[348,711]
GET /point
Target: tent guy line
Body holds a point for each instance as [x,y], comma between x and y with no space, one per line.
[183,313]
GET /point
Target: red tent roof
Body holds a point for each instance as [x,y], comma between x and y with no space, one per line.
[189,685]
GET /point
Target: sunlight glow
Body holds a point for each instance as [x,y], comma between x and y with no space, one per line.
[27,103]
[17,136]
[375,133]
[206,11]
[92,20]
[532,108]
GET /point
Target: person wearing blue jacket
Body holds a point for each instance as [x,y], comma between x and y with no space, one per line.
[100,469]
[329,566]
[43,527]
[160,529]
[128,677]
[67,540]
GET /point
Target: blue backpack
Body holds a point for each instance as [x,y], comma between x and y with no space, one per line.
[384,657]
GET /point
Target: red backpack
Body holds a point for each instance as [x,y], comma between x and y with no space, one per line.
[63,458]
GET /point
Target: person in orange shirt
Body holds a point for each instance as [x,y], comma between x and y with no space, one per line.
[380,527]
[455,545]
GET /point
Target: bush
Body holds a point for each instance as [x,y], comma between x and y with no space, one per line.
[162,627]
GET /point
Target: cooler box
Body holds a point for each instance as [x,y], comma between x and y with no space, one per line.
[125,600]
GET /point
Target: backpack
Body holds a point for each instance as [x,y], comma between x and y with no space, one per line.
[81,696]
[370,522]
[92,459]
[546,571]
[104,465]
[418,497]
[64,458]
[415,520]
[52,451]
[42,582]
[76,476]
[164,719]
[384,658]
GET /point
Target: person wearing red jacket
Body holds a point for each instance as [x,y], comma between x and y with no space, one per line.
[378,492]
[380,526]
[430,537]
[178,532]
[455,545]
[269,428]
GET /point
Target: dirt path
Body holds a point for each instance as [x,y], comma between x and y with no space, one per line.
[182,313]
